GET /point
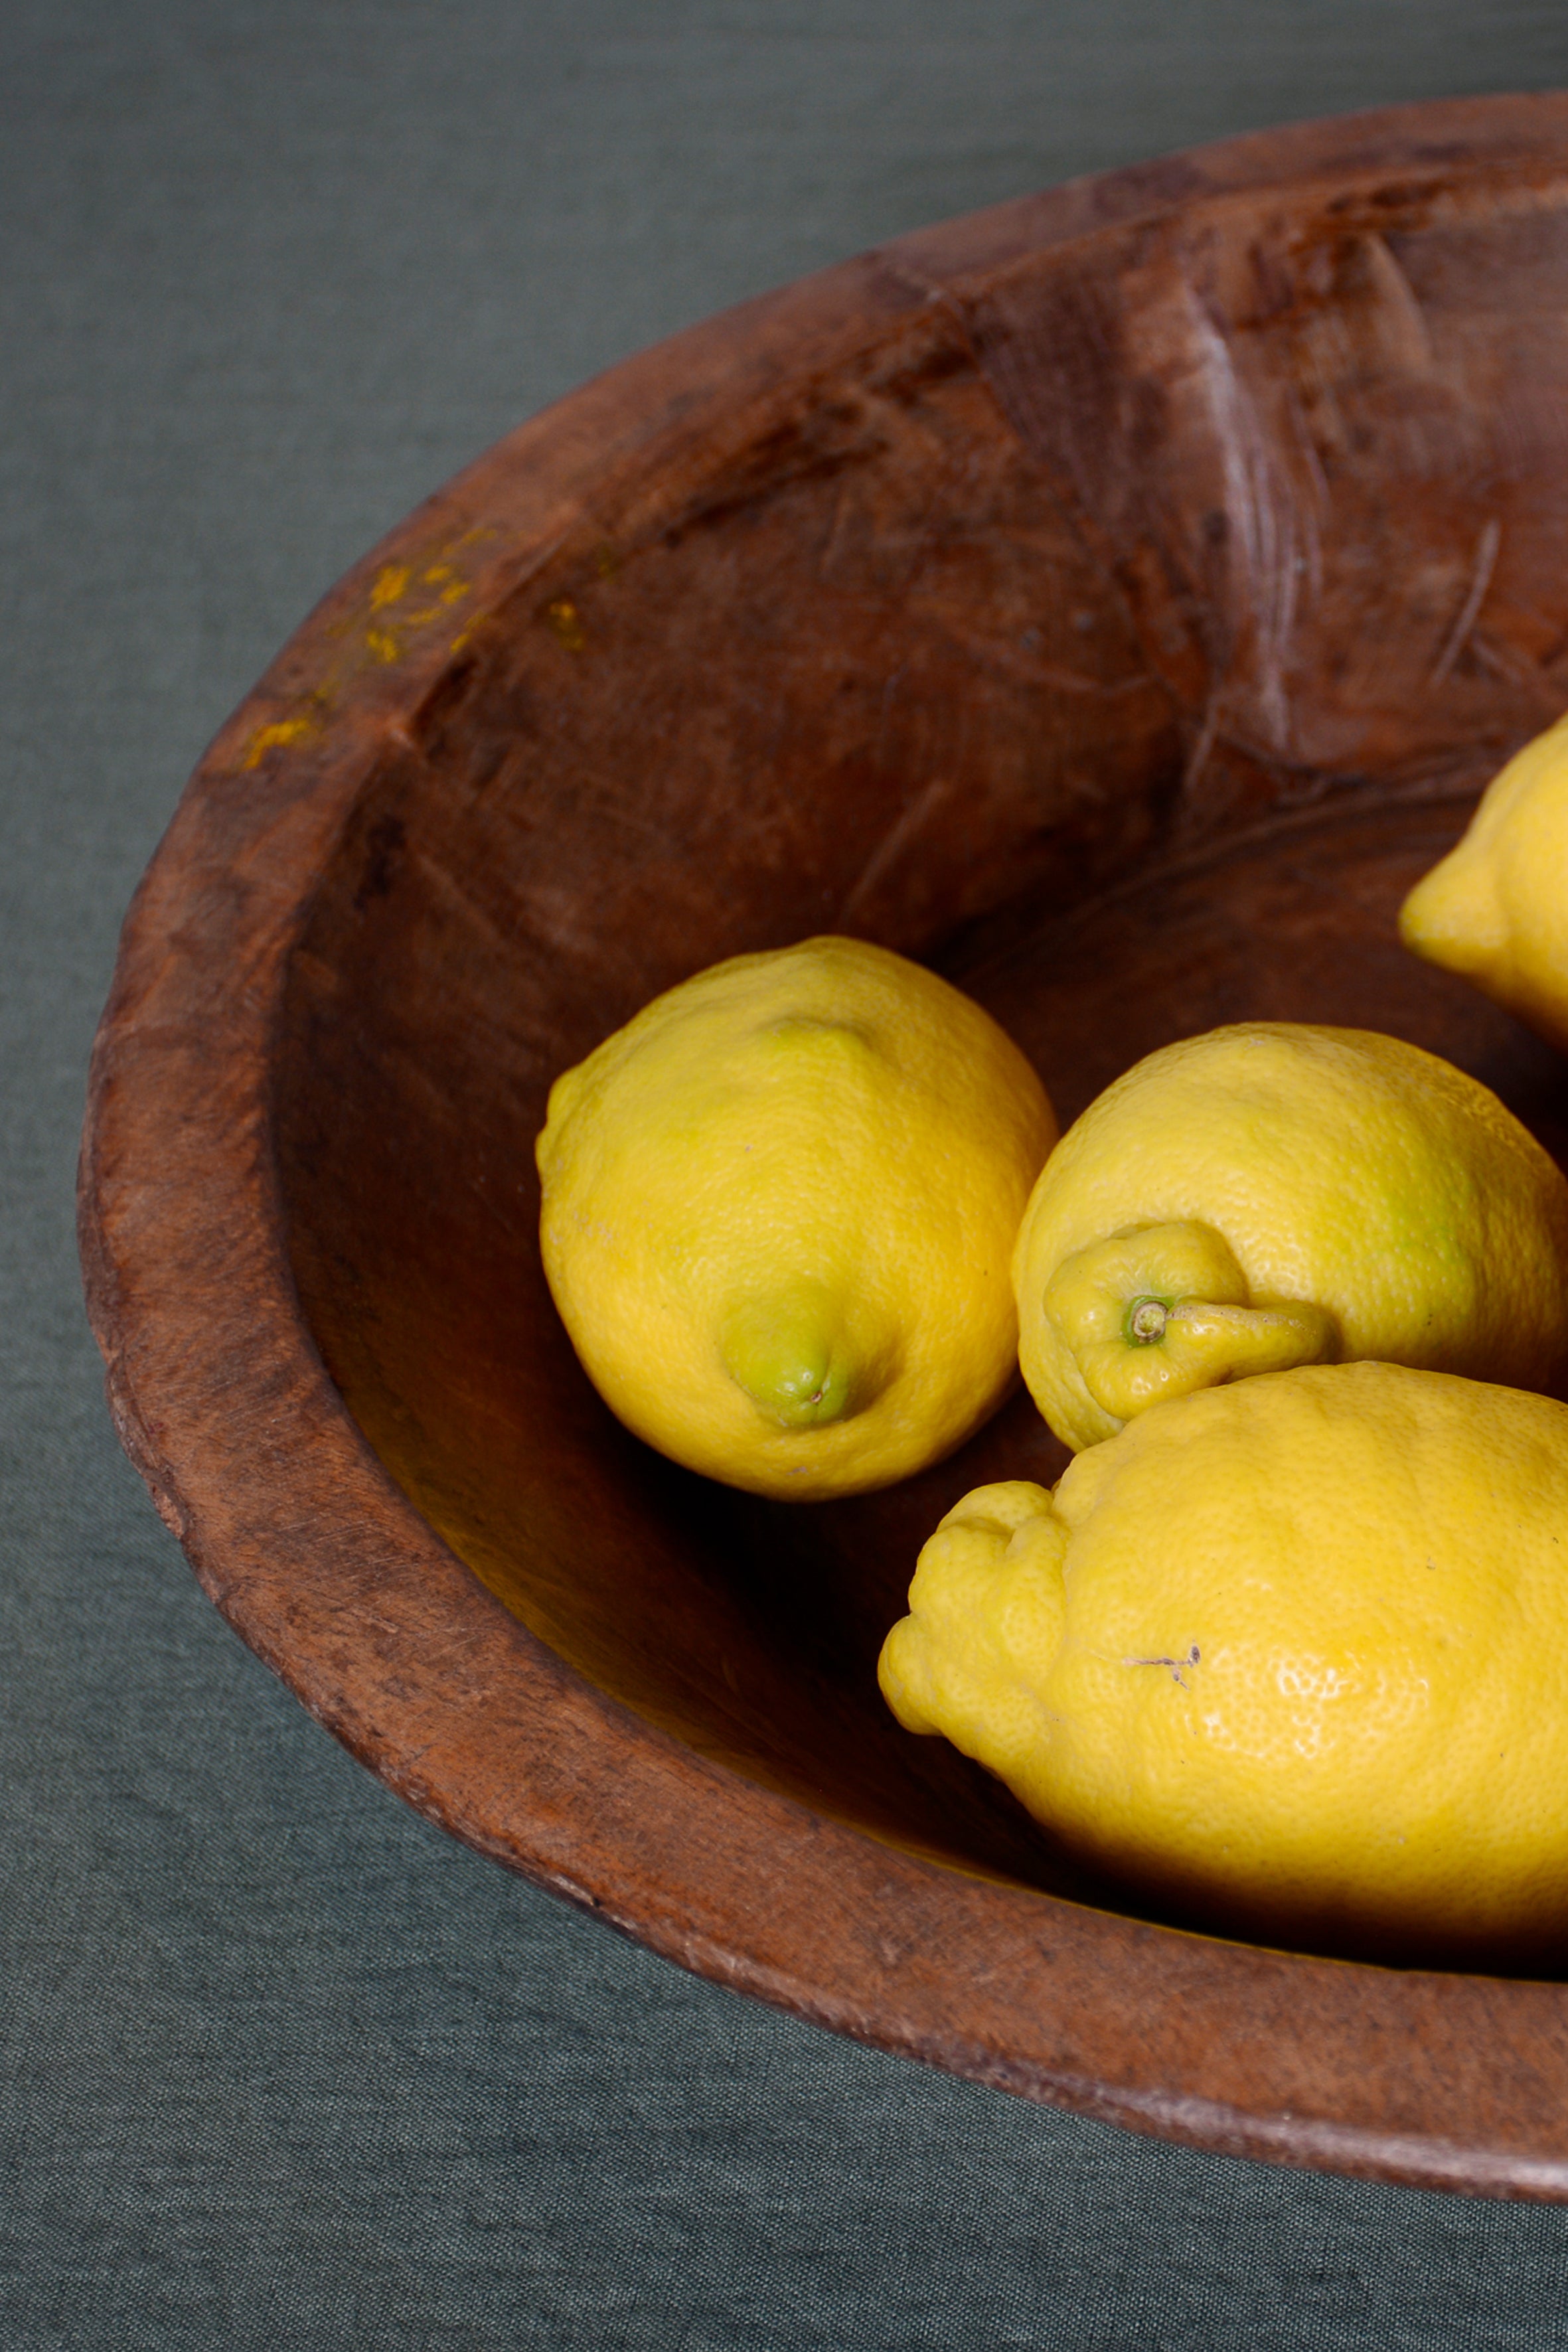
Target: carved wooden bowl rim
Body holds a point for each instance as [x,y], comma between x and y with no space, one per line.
[330,1574]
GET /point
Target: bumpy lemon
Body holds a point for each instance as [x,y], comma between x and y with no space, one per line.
[1290,1656]
[1272,1195]
[1496,908]
[778,1208]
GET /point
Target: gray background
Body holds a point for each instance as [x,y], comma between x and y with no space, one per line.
[282,2067]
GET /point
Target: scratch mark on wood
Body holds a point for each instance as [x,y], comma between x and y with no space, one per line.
[894,842]
[1481,572]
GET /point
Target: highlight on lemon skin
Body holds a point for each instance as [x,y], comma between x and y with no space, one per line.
[1493,908]
[1156,1311]
[1274,1195]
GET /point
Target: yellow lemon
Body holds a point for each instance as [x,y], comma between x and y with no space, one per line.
[1270,1195]
[1291,1657]
[778,1208]
[1496,908]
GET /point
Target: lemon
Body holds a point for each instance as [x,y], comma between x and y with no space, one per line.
[1273,1194]
[1496,908]
[1290,1656]
[778,1208]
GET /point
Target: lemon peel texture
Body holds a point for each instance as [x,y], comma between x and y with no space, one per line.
[1493,909]
[1289,1657]
[777,1213]
[1274,1195]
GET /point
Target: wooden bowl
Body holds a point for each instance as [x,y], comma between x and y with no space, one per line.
[1115,598]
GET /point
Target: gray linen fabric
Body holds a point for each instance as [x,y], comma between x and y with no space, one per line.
[282,2067]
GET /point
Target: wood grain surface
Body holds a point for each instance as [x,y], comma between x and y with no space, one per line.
[1115,599]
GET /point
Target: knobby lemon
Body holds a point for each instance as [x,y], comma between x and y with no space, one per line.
[1290,1656]
[1273,1194]
[1496,908]
[778,1208]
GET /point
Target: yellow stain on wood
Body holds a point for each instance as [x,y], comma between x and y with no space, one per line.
[385,639]
[564,618]
[453,587]
[390,582]
[280,731]
[391,586]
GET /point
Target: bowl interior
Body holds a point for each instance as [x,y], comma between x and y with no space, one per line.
[1124,640]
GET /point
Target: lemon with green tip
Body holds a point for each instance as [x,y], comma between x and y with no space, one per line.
[778,1209]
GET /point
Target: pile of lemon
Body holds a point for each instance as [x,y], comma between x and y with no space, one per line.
[1287,1646]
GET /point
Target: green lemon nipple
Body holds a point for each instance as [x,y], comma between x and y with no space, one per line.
[795,1353]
